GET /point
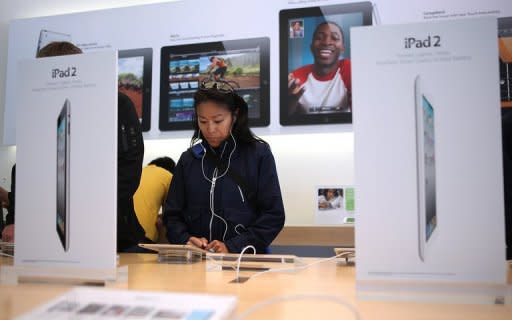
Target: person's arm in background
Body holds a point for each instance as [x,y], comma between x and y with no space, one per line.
[337,202]
[173,216]
[130,155]
[322,202]
[295,92]
[160,226]
[270,219]
[346,75]
[4,198]
[8,232]
[130,148]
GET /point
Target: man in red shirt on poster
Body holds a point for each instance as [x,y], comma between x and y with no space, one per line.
[325,85]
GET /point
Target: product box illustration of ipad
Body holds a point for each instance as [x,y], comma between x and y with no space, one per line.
[134,80]
[315,66]
[63,156]
[47,36]
[426,167]
[242,64]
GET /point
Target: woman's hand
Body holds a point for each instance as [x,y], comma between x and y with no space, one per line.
[8,233]
[201,243]
[217,247]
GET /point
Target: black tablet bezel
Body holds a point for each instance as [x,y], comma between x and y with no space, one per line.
[147,54]
[505,26]
[300,13]
[220,47]
[505,31]
[62,203]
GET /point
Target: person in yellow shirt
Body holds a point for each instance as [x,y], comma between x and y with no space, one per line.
[151,194]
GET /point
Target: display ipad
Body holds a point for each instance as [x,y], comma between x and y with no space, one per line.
[170,247]
[315,75]
[134,80]
[243,63]
[505,51]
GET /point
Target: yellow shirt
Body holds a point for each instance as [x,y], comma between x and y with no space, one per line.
[149,197]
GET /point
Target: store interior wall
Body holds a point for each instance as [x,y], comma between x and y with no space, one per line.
[21,9]
[304,161]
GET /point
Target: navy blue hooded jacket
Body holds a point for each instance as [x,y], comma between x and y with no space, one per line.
[188,213]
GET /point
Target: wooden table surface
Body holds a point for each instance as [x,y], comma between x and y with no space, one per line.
[318,281]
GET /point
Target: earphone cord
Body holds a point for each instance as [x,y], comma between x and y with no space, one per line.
[212,207]
[230,155]
[212,188]
[202,163]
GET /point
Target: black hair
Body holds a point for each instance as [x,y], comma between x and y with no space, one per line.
[336,192]
[328,22]
[165,163]
[238,108]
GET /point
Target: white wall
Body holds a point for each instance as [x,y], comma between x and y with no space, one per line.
[303,161]
[19,9]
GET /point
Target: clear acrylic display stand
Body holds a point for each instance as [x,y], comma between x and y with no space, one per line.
[345,256]
[13,275]
[179,256]
[435,292]
[250,262]
[175,253]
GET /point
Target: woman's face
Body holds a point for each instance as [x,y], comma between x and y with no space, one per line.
[214,121]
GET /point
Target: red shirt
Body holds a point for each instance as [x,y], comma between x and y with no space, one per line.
[343,66]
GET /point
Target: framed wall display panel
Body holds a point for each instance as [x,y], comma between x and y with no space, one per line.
[315,73]
[243,64]
[134,80]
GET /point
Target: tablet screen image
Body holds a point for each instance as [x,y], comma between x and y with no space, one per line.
[134,80]
[315,70]
[430,167]
[63,151]
[243,64]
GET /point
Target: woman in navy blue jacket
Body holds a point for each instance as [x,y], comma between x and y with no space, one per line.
[225,192]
